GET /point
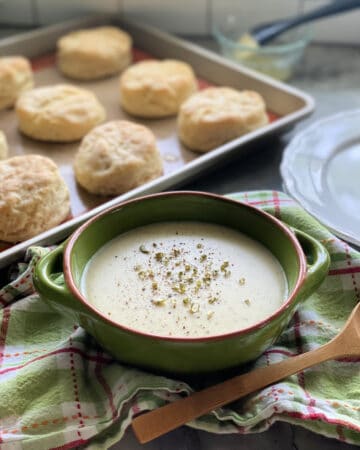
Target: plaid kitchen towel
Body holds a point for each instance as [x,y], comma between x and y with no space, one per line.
[58,389]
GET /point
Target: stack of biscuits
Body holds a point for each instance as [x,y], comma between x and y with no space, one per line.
[116,156]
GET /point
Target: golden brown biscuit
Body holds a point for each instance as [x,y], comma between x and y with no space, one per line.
[116,157]
[94,53]
[3,146]
[156,88]
[217,115]
[33,197]
[59,113]
[15,77]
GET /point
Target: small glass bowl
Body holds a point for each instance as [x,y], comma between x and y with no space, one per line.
[277,59]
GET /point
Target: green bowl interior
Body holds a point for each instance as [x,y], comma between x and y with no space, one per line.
[185,208]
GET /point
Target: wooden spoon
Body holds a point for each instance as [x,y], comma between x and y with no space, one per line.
[158,422]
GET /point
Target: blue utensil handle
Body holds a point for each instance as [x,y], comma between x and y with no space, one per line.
[270,31]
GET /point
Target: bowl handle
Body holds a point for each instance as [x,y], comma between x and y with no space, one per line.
[318,262]
[48,271]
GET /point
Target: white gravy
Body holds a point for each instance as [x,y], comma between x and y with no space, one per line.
[184,279]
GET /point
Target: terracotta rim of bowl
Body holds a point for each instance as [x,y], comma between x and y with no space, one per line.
[78,295]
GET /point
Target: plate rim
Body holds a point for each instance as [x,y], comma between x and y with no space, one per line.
[286,173]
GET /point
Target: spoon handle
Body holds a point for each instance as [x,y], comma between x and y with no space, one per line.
[335,7]
[158,422]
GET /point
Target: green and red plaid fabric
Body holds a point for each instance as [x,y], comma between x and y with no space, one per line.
[58,389]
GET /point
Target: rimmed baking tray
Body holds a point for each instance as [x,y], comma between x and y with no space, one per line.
[285,104]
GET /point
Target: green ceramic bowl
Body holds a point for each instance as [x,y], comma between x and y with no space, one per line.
[304,260]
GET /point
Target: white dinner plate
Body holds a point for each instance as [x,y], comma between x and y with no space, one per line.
[321,170]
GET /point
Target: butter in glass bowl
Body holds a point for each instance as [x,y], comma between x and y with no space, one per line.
[279,58]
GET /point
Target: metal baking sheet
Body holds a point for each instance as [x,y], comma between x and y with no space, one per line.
[284,103]
[174,155]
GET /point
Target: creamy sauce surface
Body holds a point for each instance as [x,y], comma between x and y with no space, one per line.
[184,279]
